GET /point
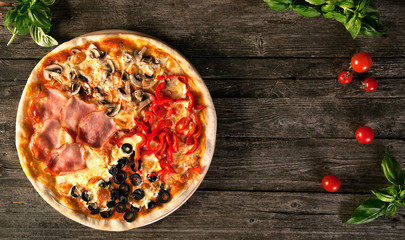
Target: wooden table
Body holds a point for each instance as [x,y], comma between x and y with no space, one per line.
[284,120]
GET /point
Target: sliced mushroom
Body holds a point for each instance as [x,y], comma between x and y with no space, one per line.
[124,76]
[75,51]
[110,66]
[138,81]
[126,58]
[73,75]
[144,102]
[113,109]
[94,52]
[139,54]
[53,71]
[138,95]
[125,93]
[76,88]
[86,88]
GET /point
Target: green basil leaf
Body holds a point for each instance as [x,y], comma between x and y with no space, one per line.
[402,202]
[328,7]
[369,31]
[373,18]
[39,17]
[48,2]
[353,26]
[336,16]
[306,11]
[392,170]
[391,209]
[41,38]
[24,1]
[10,17]
[388,194]
[279,5]
[316,2]
[402,194]
[368,211]
[22,24]
[23,8]
[363,4]
[345,4]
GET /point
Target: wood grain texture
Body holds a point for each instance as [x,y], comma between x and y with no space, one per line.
[217,28]
[284,121]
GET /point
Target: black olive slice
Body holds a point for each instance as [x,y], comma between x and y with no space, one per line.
[123,160]
[110,203]
[135,209]
[86,196]
[92,206]
[120,177]
[106,214]
[120,165]
[151,204]
[124,199]
[114,194]
[129,216]
[123,189]
[95,211]
[104,184]
[136,179]
[74,192]
[164,196]
[152,178]
[138,194]
[132,165]
[127,148]
[113,170]
[120,207]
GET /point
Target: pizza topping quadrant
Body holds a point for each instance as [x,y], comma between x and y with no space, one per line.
[120,127]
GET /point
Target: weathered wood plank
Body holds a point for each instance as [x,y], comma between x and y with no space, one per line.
[209,215]
[217,28]
[272,164]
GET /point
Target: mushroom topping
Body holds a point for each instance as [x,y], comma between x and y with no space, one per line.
[113,109]
[75,51]
[124,76]
[76,88]
[137,80]
[53,71]
[125,93]
[139,54]
[110,66]
[143,98]
[126,58]
[94,52]
[86,88]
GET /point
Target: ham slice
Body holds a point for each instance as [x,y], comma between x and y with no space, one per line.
[46,139]
[48,104]
[73,113]
[95,129]
[67,158]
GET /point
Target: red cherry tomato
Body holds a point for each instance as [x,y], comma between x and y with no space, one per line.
[365,134]
[369,84]
[361,62]
[345,77]
[331,183]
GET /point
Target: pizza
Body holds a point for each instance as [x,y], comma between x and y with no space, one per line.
[115,129]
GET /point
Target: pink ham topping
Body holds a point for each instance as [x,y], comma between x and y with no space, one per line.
[67,158]
[46,139]
[95,129]
[73,113]
[48,104]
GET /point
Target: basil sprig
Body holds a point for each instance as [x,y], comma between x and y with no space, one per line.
[31,16]
[357,16]
[386,200]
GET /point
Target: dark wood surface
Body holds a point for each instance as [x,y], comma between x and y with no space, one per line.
[284,121]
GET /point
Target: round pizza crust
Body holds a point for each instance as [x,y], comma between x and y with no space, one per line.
[157,214]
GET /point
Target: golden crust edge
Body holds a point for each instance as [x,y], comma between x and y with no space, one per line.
[186,193]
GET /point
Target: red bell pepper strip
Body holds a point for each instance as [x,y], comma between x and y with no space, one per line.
[195,169]
[199,107]
[193,148]
[175,143]
[141,124]
[190,98]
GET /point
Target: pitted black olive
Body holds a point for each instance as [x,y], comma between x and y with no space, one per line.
[152,178]
[104,184]
[136,179]
[74,192]
[95,211]
[129,216]
[127,148]
[110,203]
[114,194]
[123,160]
[86,196]
[92,206]
[123,189]
[120,207]
[120,177]
[132,165]
[113,170]
[151,204]
[124,199]
[106,214]
[138,194]
[164,196]
[120,165]
[135,209]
